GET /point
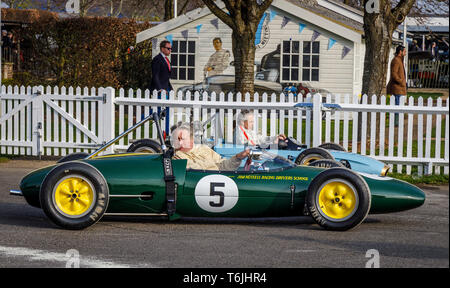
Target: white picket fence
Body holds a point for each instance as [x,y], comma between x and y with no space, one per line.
[59,121]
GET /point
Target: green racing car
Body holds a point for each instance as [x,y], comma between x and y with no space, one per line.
[76,193]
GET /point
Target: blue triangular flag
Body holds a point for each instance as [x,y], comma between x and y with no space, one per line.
[331,42]
[273,13]
[301,27]
[198,27]
[169,38]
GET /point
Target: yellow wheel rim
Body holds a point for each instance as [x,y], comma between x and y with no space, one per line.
[74,196]
[308,160]
[337,200]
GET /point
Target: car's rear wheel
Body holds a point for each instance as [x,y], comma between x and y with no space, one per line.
[332,146]
[74,195]
[310,155]
[73,157]
[145,146]
[338,199]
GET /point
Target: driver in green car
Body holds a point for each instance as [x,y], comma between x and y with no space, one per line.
[200,156]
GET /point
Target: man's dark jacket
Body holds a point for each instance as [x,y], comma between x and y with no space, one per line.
[160,74]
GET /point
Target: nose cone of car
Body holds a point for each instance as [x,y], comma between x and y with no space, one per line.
[394,195]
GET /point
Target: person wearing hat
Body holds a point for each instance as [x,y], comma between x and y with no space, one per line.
[397,82]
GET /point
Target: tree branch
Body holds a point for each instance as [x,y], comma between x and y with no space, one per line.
[219,13]
[183,7]
[402,9]
[263,7]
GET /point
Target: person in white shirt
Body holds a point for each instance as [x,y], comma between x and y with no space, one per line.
[245,135]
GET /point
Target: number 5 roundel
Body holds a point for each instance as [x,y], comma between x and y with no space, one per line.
[216,193]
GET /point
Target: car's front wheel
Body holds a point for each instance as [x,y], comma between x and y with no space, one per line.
[310,155]
[338,199]
[74,195]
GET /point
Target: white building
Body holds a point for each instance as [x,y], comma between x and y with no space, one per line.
[320,44]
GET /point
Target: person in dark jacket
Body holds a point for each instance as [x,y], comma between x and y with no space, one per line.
[161,69]
[161,74]
[397,82]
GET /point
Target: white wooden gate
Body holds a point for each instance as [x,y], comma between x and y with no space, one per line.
[37,121]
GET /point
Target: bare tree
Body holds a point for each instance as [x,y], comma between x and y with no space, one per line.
[379,27]
[115,8]
[243,18]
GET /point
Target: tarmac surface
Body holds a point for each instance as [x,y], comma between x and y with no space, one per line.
[415,238]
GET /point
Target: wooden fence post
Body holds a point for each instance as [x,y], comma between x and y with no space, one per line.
[108,116]
[37,121]
[317,121]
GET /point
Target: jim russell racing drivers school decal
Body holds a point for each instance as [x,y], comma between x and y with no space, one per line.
[268,177]
[219,193]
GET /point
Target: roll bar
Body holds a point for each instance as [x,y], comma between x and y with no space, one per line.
[155,116]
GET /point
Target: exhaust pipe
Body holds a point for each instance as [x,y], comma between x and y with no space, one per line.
[15,192]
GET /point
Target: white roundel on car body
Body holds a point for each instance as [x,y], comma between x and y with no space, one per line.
[216,193]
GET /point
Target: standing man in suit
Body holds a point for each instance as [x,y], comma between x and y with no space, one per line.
[161,73]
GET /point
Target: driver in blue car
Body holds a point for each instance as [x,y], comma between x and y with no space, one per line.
[245,135]
[200,156]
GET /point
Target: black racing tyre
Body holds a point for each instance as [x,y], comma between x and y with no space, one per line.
[145,146]
[338,199]
[74,195]
[312,154]
[332,146]
[73,156]
[326,163]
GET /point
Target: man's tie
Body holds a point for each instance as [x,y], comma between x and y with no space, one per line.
[168,62]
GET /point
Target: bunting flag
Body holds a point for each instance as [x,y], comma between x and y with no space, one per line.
[315,35]
[273,13]
[198,27]
[154,42]
[331,43]
[285,21]
[301,27]
[169,38]
[345,51]
[259,30]
[185,34]
[215,23]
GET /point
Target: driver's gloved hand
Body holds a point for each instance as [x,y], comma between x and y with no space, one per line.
[282,145]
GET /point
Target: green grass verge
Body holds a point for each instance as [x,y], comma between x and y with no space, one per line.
[425,179]
[416,95]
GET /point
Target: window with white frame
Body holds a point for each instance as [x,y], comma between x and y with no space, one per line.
[291,68]
[182,60]
[310,65]
[290,61]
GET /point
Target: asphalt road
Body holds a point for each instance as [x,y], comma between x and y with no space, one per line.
[416,238]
